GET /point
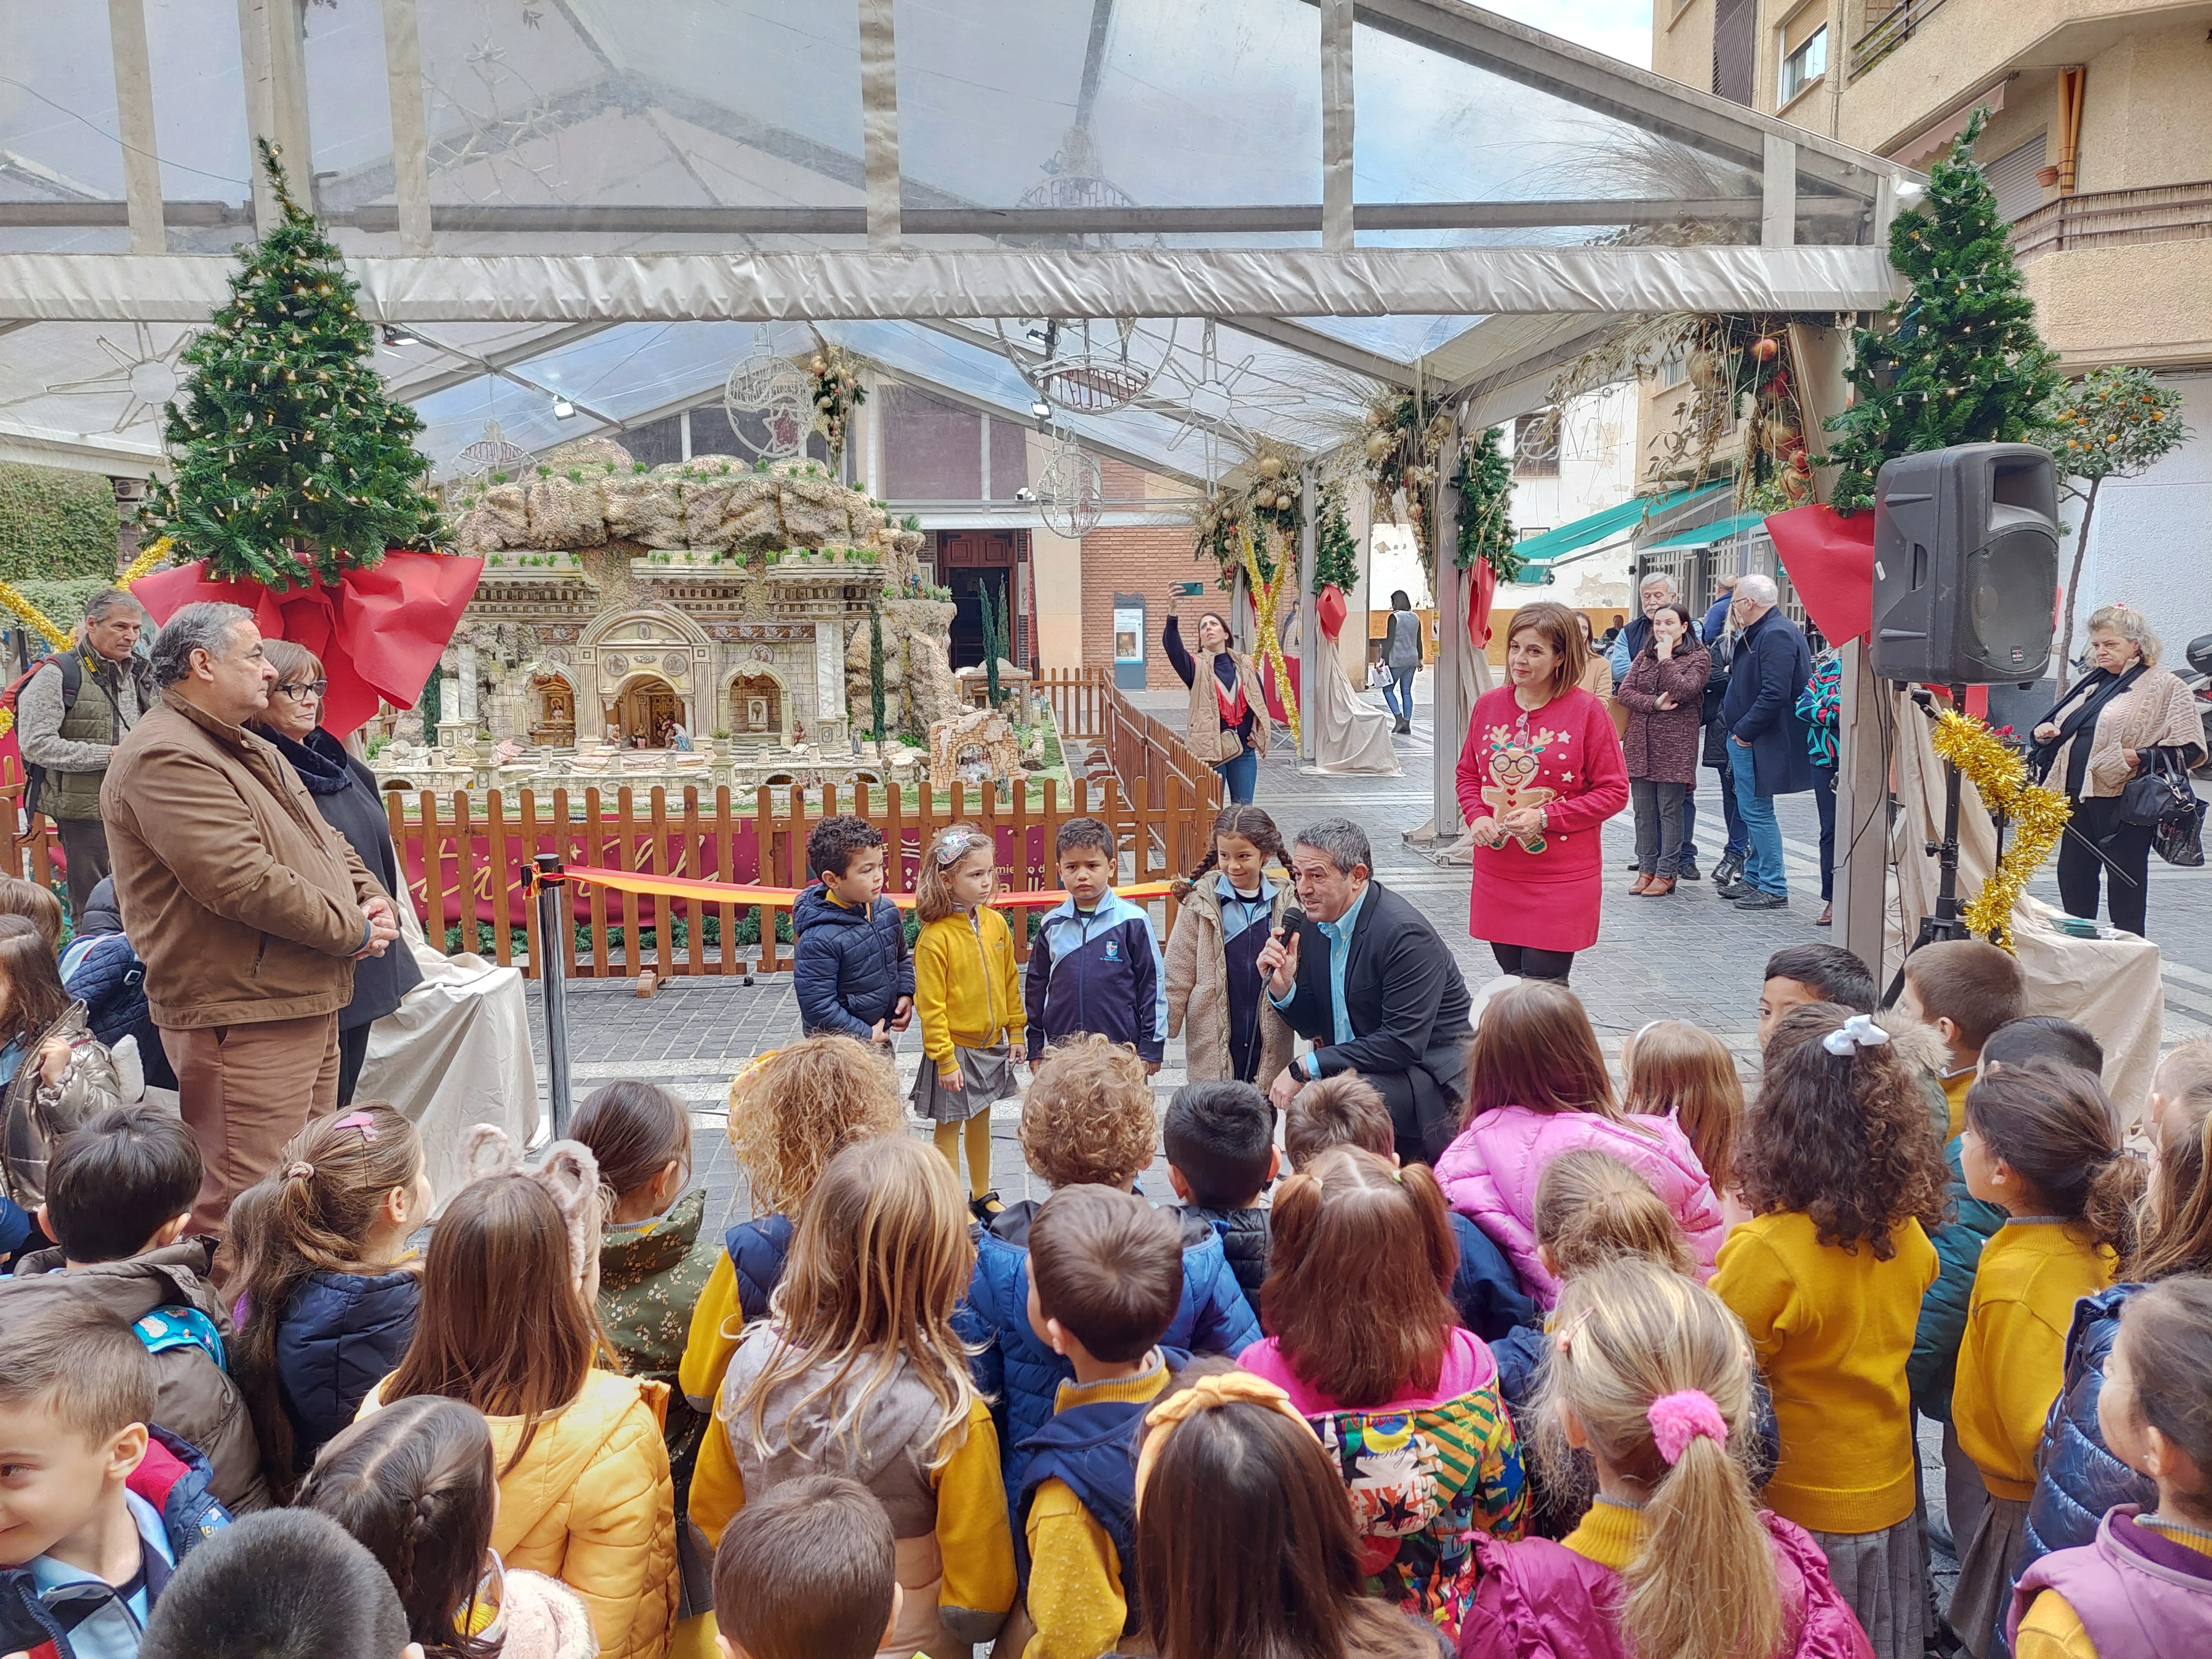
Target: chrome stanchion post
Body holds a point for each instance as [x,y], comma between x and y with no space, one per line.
[549,882]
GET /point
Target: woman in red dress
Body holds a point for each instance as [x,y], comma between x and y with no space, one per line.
[1541,772]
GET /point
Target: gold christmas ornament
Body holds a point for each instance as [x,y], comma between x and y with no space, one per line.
[2037,816]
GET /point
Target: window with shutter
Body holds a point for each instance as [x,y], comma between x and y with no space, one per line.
[1736,29]
[2012,178]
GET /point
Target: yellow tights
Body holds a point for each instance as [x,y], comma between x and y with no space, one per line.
[976,1131]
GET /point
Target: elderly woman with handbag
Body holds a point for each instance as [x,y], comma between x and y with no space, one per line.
[2127,721]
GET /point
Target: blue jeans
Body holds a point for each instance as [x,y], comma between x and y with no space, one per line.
[1241,774]
[1401,682]
[1762,866]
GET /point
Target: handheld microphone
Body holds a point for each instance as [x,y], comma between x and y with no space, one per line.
[1293,918]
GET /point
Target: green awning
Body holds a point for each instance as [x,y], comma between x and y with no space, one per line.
[1552,547]
[1706,534]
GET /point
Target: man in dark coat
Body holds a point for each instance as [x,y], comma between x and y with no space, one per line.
[1766,737]
[1370,982]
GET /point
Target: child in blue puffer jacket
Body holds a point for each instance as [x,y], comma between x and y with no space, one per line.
[1088,1119]
[330,1295]
[850,967]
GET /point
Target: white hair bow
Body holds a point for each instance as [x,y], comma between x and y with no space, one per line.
[1859,1032]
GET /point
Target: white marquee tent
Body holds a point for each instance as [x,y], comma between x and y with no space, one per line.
[599,200]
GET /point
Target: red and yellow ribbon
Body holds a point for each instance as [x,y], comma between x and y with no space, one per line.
[726,892]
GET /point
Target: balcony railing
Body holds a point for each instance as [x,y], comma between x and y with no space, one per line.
[1889,31]
[2112,218]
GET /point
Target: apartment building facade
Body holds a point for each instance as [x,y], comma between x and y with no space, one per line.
[2099,149]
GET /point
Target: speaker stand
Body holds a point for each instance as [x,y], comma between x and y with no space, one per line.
[1943,921]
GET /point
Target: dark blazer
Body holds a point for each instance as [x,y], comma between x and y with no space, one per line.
[1772,663]
[1409,1015]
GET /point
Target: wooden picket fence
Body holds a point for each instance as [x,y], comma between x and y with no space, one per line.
[462,854]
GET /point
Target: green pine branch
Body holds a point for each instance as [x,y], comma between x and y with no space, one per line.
[1959,361]
[1486,507]
[292,464]
[1336,550]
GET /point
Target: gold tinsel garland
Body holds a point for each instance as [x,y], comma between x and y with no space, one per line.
[1266,600]
[2037,816]
[155,551]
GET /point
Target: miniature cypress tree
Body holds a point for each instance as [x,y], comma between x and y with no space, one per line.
[876,667]
[1959,361]
[293,466]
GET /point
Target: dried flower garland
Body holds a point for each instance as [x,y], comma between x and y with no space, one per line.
[2037,816]
[835,384]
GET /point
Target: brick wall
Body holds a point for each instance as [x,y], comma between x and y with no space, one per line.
[1146,559]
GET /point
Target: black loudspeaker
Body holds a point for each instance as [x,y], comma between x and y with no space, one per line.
[1966,565]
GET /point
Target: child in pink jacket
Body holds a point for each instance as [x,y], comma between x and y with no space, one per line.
[1537,1086]
[1649,1373]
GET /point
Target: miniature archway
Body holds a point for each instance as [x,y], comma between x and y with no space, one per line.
[643,709]
[755,704]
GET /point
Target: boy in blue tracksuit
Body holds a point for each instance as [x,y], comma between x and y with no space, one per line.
[1095,964]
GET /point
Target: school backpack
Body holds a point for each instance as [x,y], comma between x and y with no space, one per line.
[72,667]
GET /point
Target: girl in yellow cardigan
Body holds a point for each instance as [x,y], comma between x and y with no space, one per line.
[858,1372]
[1843,1174]
[967,991]
[2043,1144]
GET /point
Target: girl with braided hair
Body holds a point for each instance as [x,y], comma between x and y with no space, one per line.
[415,1484]
[1229,909]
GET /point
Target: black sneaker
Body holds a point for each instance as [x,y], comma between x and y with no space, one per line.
[1633,864]
[1759,899]
[1733,890]
[1729,867]
[1685,871]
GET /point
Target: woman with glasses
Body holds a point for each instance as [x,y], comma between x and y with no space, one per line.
[345,793]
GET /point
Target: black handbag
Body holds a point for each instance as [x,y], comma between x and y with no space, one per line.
[2159,798]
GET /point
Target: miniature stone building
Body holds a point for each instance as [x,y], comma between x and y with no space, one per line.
[625,613]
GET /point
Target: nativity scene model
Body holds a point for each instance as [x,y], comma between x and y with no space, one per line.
[699,623]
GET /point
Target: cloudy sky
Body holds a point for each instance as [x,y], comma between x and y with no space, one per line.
[1622,27]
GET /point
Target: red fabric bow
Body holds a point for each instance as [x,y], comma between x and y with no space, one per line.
[1830,559]
[379,633]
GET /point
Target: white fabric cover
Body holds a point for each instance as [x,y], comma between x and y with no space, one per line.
[978,282]
[456,1052]
[2111,986]
[1349,735]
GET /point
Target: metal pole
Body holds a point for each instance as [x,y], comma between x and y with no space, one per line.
[551,884]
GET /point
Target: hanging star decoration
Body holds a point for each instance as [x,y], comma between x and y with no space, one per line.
[146,375]
[1206,390]
[2037,816]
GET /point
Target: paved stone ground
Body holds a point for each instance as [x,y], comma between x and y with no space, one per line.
[1692,956]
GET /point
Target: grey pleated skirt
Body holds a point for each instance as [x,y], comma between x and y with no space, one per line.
[986,1075]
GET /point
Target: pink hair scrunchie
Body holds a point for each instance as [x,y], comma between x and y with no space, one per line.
[1678,1419]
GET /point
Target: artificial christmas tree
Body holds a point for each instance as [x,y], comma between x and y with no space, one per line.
[1336,553]
[293,466]
[296,475]
[1485,503]
[1959,361]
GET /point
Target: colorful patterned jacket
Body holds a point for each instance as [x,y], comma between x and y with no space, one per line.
[651,1273]
[1428,1473]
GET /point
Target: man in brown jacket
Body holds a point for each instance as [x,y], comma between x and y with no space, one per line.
[248,909]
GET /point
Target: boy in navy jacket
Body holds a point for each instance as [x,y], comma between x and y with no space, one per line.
[850,966]
[1095,964]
